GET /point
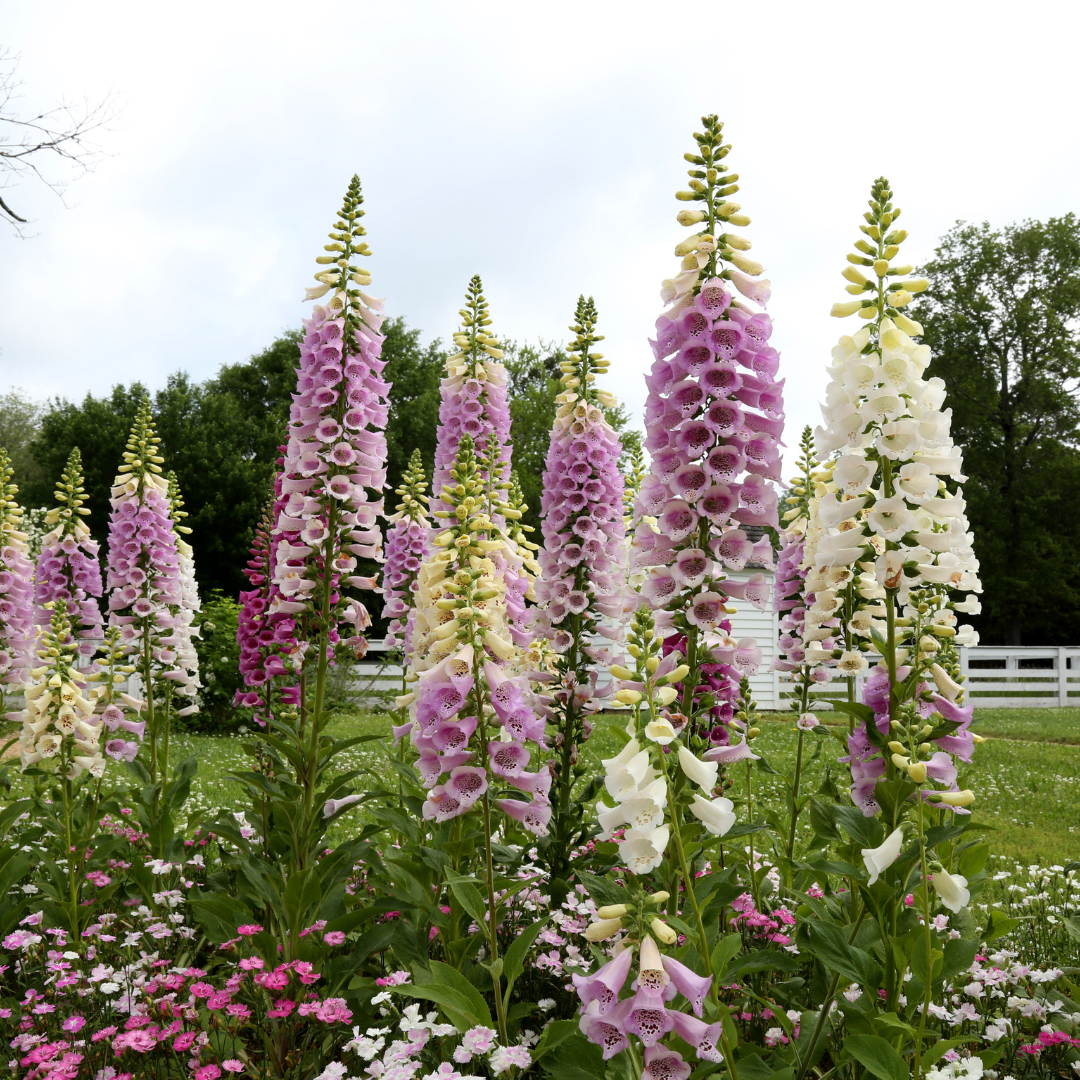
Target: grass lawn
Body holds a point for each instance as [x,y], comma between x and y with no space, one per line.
[1026,775]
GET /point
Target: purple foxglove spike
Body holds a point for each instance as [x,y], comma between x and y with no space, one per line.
[701,1036]
[644,1015]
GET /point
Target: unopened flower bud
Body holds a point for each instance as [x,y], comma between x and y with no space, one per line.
[603,929]
[841,311]
[652,664]
[628,697]
[658,897]
[665,695]
[917,771]
[690,217]
[900,761]
[612,911]
[662,932]
[619,672]
[897,747]
[957,798]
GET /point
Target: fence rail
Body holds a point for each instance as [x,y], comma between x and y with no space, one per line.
[998,676]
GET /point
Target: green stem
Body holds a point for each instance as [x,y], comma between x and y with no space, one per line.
[73,885]
[826,1005]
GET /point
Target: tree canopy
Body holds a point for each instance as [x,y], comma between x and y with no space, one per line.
[1002,317]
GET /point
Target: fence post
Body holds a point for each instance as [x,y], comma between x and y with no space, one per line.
[1063,676]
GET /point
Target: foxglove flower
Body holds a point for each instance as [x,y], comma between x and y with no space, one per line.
[714,417]
[16,589]
[325,520]
[893,531]
[187,659]
[406,550]
[583,592]
[59,722]
[269,652]
[67,568]
[473,719]
[143,579]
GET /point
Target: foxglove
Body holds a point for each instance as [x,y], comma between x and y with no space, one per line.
[16,589]
[714,416]
[406,550]
[269,652]
[894,515]
[67,568]
[143,580]
[336,451]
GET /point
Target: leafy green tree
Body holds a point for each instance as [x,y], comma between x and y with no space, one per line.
[222,438]
[20,417]
[532,385]
[1002,317]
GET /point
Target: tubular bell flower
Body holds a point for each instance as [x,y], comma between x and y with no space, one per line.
[472,706]
[714,417]
[145,591]
[187,659]
[336,450]
[893,529]
[406,550]
[16,589]
[583,563]
[59,724]
[67,568]
[269,652]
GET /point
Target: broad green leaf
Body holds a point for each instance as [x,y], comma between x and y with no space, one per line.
[601,889]
[457,1007]
[959,955]
[727,947]
[575,1059]
[877,1056]
[514,957]
[828,942]
[555,1033]
[445,975]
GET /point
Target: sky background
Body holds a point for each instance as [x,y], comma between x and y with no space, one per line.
[537,145]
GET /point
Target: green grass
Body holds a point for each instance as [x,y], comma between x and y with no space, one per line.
[1026,776]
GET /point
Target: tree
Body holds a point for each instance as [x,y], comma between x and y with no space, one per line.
[1003,320]
[19,420]
[222,437]
[58,134]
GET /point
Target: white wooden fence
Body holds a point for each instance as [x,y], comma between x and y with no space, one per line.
[1001,676]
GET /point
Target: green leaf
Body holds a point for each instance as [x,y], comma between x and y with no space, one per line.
[727,947]
[866,832]
[959,956]
[941,1047]
[575,1059]
[514,957]
[604,891]
[457,1007]
[468,896]
[445,975]
[877,1056]
[854,708]
[828,942]
[822,819]
[1072,927]
[556,1032]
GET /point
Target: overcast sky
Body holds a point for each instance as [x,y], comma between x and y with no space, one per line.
[538,145]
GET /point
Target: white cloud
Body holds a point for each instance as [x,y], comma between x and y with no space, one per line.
[539,146]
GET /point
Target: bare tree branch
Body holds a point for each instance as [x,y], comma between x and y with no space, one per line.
[30,143]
